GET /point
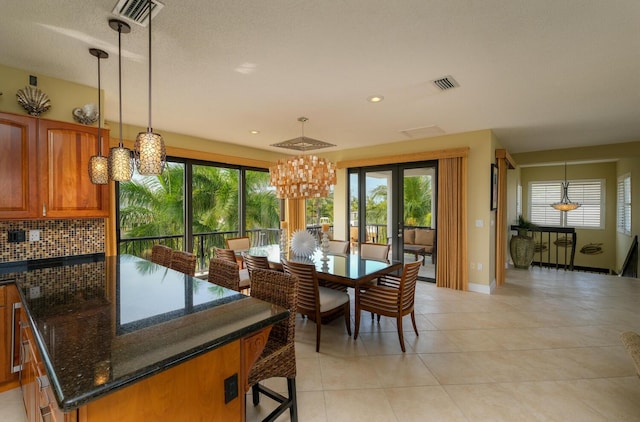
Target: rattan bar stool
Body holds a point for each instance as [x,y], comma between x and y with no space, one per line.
[224,273]
[185,262]
[278,358]
[161,254]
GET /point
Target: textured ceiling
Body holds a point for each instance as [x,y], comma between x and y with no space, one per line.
[543,74]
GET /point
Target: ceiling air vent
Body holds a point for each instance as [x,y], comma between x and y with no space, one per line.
[445,83]
[136,11]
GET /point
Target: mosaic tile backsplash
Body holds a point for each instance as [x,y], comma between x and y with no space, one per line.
[57,238]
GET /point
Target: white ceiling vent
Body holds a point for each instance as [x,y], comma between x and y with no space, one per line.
[423,132]
[136,11]
[445,83]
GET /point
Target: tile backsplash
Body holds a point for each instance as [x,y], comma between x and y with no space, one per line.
[57,238]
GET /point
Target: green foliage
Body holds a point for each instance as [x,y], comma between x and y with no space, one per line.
[523,223]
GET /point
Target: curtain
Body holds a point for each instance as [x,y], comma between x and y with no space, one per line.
[452,224]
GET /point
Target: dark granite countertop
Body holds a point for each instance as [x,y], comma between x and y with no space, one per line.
[106,323]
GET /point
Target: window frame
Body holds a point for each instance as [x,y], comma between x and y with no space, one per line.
[561,218]
[623,217]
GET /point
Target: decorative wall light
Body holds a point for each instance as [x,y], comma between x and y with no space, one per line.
[149,150]
[565,203]
[304,176]
[120,161]
[98,164]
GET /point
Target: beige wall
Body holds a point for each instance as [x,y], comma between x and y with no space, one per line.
[623,242]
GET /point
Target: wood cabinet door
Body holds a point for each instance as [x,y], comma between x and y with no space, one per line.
[64,153]
[18,167]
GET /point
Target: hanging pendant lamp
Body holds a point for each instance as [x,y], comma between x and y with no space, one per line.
[120,161]
[149,150]
[565,203]
[98,164]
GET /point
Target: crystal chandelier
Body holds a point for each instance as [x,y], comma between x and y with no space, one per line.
[98,164]
[565,203]
[149,149]
[120,161]
[303,176]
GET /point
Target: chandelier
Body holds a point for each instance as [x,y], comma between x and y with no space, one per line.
[98,164]
[565,203]
[304,176]
[149,150]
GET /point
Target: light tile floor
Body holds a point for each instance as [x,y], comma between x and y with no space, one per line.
[543,347]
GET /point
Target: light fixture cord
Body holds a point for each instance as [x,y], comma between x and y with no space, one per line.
[150,8]
[120,78]
[99,110]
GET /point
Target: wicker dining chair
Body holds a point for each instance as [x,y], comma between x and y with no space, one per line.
[161,254]
[238,245]
[230,256]
[253,262]
[316,302]
[392,297]
[185,262]
[278,358]
[224,273]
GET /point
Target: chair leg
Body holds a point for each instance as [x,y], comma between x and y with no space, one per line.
[318,326]
[255,392]
[357,327]
[347,316]
[293,410]
[400,334]
[413,320]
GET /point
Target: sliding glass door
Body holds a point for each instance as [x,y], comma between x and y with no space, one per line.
[395,204]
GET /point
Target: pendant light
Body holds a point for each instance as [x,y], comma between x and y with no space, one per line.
[565,203]
[149,149]
[120,161]
[98,164]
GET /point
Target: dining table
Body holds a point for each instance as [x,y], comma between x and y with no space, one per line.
[349,270]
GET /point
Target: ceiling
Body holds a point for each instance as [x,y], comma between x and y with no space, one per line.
[542,74]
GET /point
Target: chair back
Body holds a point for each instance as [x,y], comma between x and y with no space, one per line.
[161,254]
[226,254]
[308,295]
[374,251]
[408,284]
[279,289]
[238,244]
[338,246]
[253,262]
[224,273]
[185,262]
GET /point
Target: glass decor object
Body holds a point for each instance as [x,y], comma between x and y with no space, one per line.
[149,150]
[120,160]
[324,245]
[98,164]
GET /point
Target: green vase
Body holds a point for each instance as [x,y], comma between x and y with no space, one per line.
[522,249]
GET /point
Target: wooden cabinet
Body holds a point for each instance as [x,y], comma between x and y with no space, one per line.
[44,169]
[10,350]
[18,166]
[39,402]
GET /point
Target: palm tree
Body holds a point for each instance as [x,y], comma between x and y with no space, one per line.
[417,201]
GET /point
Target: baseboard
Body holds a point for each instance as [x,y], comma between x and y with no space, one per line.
[482,288]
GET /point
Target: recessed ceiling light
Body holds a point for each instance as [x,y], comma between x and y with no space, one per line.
[375,98]
[254,132]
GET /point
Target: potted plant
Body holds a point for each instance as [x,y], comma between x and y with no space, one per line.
[522,246]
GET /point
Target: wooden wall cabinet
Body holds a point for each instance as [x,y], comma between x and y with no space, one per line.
[44,169]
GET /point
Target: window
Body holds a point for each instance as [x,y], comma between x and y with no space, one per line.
[588,193]
[623,220]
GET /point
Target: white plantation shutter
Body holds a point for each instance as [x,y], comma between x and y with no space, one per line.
[623,205]
[588,193]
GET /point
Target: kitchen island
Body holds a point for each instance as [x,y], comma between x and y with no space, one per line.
[121,338]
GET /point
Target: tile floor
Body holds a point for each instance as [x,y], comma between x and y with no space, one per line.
[543,347]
